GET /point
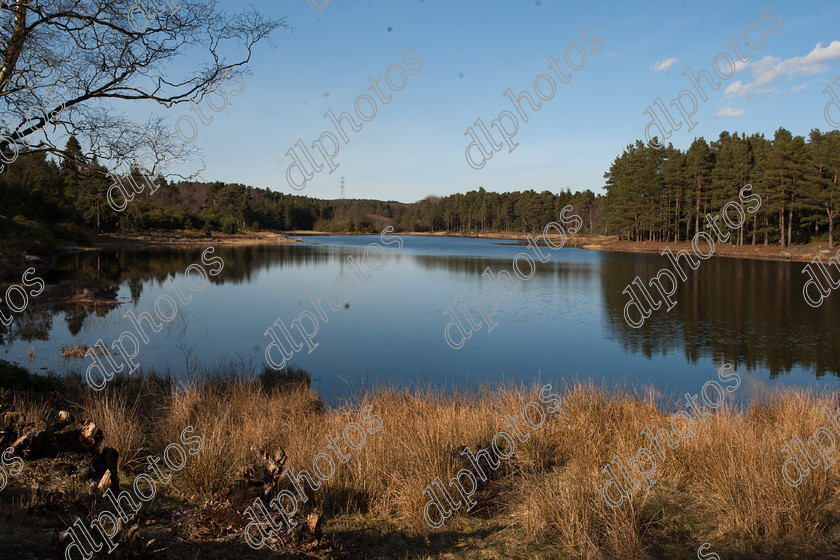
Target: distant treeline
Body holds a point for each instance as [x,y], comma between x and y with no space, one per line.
[68,196]
[657,194]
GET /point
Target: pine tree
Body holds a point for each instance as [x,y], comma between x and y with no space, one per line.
[822,189]
[674,182]
[699,163]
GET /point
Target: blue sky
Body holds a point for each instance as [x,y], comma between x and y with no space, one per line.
[472,52]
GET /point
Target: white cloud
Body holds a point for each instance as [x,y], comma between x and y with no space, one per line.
[729,112]
[736,88]
[748,91]
[740,65]
[664,65]
[771,68]
[800,87]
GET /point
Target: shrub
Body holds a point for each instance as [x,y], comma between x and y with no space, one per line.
[229,226]
[13,376]
[164,218]
[278,380]
[26,233]
[71,232]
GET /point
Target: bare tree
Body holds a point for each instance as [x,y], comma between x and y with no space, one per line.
[74,66]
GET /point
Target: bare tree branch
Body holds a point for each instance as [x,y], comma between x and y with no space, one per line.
[68,66]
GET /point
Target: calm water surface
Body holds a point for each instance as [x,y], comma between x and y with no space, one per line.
[565,322]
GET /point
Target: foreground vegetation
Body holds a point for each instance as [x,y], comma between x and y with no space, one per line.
[722,485]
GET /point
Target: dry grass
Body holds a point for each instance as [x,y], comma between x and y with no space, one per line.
[721,484]
[76,352]
[122,424]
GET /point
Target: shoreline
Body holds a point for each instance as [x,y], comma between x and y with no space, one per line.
[180,238]
[793,253]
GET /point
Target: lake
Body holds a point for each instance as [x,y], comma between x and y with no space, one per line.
[565,322]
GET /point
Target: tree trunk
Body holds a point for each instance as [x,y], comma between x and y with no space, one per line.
[677,223]
[697,218]
[766,236]
[782,227]
[790,223]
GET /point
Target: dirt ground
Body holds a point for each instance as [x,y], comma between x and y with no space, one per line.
[770,252]
[189,238]
[802,253]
